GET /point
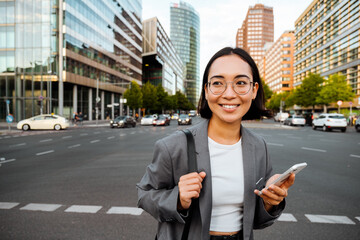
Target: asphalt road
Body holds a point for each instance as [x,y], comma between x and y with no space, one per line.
[80,183]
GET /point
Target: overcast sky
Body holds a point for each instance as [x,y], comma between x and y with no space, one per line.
[220,19]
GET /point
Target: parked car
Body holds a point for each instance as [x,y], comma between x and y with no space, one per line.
[147,120]
[295,120]
[175,116]
[329,121]
[123,121]
[184,120]
[45,121]
[280,117]
[162,120]
[357,124]
[192,113]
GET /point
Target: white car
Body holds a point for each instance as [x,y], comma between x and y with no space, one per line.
[147,120]
[329,121]
[45,121]
[295,120]
[280,117]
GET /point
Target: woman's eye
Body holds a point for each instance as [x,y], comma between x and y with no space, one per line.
[217,83]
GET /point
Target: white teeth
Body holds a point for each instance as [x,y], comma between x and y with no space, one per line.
[229,106]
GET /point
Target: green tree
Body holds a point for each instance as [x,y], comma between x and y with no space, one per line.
[133,96]
[267,92]
[276,99]
[306,94]
[162,99]
[182,102]
[335,89]
[149,97]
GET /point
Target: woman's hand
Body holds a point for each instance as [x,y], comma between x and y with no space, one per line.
[274,195]
[190,186]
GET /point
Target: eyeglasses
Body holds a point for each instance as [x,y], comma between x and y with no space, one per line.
[241,86]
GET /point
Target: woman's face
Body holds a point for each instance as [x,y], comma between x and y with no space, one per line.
[229,107]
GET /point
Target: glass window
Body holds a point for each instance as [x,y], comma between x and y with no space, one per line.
[37,10]
[10,61]
[20,11]
[37,35]
[2,61]
[2,37]
[19,35]
[10,37]
[28,35]
[10,18]
[45,10]
[2,12]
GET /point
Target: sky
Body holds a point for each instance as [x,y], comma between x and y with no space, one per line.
[220,19]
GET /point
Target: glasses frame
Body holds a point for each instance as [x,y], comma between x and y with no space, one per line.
[252,83]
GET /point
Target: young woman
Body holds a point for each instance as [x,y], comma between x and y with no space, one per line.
[233,162]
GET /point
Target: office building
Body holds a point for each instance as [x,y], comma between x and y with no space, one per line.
[257,29]
[161,63]
[65,56]
[327,41]
[277,65]
[185,35]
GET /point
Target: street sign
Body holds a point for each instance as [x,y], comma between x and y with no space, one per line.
[350,103]
[9,118]
[7,101]
[98,99]
[41,98]
[339,103]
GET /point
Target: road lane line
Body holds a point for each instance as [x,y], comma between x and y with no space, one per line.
[276,144]
[83,209]
[41,207]
[95,141]
[18,145]
[8,205]
[122,135]
[84,134]
[46,140]
[6,161]
[355,156]
[287,217]
[74,146]
[358,218]
[125,210]
[97,132]
[112,137]
[329,219]
[65,137]
[132,132]
[313,149]
[47,152]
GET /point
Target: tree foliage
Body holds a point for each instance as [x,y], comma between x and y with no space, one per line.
[267,91]
[133,96]
[335,89]
[277,98]
[149,97]
[162,99]
[306,94]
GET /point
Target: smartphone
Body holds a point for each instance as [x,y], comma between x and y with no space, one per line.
[282,178]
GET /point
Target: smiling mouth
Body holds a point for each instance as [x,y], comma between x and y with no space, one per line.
[229,106]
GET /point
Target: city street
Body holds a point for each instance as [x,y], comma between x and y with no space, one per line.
[80,183]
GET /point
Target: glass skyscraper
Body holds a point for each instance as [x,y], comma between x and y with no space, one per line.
[64,56]
[185,35]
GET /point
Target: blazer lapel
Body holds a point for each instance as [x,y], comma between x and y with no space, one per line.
[249,157]
[203,158]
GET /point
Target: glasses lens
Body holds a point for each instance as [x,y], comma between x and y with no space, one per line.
[241,86]
[217,86]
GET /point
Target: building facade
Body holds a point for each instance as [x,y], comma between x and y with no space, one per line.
[161,63]
[257,30]
[327,41]
[277,65]
[185,35]
[65,56]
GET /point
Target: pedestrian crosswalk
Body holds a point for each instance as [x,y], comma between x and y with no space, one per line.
[93,209]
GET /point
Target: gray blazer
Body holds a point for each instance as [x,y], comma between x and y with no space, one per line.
[158,189]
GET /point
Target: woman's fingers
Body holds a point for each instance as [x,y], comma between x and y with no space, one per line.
[190,186]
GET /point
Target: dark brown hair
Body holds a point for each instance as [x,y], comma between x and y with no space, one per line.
[257,106]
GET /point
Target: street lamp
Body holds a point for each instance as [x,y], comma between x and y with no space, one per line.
[97,101]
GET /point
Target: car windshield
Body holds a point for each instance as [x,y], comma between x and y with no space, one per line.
[337,116]
[161,117]
[148,116]
[298,117]
[120,118]
[184,116]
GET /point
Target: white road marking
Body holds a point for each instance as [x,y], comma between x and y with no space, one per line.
[358,218]
[132,132]
[65,137]
[355,156]
[84,134]
[329,219]
[8,205]
[18,145]
[111,137]
[83,209]
[47,152]
[41,207]
[7,137]
[97,132]
[313,149]
[6,161]
[287,217]
[46,140]
[275,144]
[95,141]
[122,135]
[125,210]
[329,140]
[74,146]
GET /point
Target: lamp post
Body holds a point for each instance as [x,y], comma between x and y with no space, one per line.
[97,101]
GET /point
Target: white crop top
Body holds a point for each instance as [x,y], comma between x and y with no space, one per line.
[227,174]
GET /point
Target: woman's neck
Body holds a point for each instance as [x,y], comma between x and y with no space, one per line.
[224,133]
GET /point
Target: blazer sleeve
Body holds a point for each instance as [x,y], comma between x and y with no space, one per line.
[158,191]
[264,218]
